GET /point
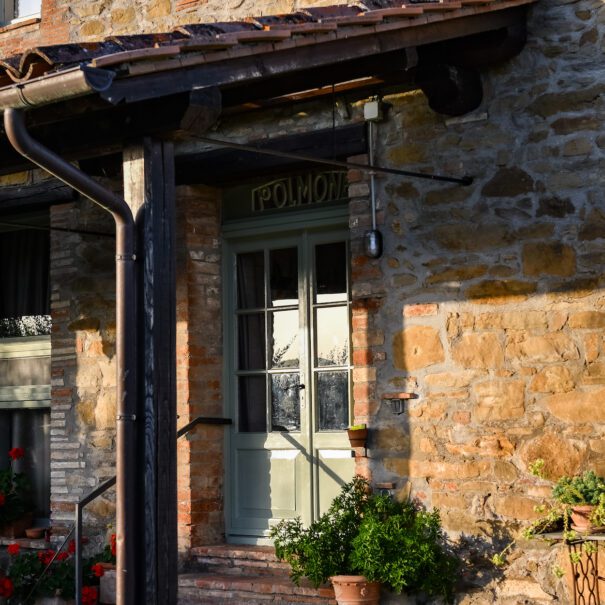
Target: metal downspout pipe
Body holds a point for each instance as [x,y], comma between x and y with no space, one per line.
[126,319]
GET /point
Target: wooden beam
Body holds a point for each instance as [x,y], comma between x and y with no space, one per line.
[224,166]
[25,198]
[149,189]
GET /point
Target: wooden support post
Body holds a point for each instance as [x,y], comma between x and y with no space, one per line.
[150,191]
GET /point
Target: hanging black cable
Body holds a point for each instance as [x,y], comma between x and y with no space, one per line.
[59,229]
[465,180]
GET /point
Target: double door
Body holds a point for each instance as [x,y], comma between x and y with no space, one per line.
[289,378]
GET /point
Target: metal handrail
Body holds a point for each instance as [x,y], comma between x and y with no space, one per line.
[33,588]
[101,489]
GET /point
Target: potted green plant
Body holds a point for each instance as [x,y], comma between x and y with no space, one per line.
[578,506]
[581,496]
[369,539]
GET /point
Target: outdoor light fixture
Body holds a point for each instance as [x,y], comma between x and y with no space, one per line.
[372,240]
[396,401]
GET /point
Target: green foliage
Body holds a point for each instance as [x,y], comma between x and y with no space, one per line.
[322,550]
[371,535]
[567,492]
[27,567]
[403,548]
[580,489]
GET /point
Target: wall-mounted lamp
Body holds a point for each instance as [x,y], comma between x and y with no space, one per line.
[372,240]
[396,401]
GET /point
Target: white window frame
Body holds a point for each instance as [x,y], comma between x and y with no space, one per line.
[8,8]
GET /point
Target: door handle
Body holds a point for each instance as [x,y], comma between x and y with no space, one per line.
[301,387]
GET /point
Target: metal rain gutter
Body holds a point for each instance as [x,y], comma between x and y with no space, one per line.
[126,321]
[56,86]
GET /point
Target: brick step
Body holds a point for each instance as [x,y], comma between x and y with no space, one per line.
[227,559]
[218,589]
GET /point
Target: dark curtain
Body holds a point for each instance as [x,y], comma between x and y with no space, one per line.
[24,273]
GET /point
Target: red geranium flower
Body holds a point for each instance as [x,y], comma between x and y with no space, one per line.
[6,587]
[46,556]
[71,547]
[2,499]
[62,556]
[89,595]
[98,570]
[16,453]
[112,544]
[13,549]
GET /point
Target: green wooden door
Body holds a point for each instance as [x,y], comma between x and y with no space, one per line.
[289,378]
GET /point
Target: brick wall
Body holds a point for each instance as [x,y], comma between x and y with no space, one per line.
[199,367]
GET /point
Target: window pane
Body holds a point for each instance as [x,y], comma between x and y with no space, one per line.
[251,280]
[284,277]
[332,336]
[25,8]
[285,402]
[333,400]
[24,273]
[251,341]
[331,272]
[252,398]
[284,339]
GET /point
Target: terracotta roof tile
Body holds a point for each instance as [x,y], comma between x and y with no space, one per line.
[210,42]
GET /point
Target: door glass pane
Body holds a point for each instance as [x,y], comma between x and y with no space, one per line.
[252,398]
[251,341]
[284,277]
[251,280]
[331,336]
[333,400]
[331,272]
[284,339]
[285,402]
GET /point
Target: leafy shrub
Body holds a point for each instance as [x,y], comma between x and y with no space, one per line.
[580,489]
[372,535]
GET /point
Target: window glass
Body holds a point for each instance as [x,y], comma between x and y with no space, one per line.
[331,272]
[251,280]
[27,8]
[284,277]
[333,400]
[285,402]
[252,397]
[284,339]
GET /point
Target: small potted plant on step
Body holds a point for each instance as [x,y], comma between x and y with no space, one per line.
[365,540]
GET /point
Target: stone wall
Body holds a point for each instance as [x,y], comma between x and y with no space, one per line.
[491,309]
[83,361]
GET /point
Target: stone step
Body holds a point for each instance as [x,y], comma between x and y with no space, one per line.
[228,559]
[218,589]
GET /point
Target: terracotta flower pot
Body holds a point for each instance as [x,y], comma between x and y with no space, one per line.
[357,437]
[355,590]
[580,517]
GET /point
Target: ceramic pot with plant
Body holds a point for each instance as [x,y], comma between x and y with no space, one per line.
[582,495]
[387,542]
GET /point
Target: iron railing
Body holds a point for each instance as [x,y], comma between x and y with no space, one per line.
[93,495]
